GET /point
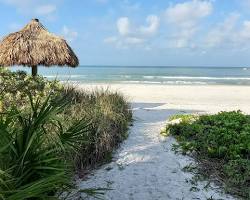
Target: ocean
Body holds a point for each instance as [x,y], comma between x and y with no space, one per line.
[148,75]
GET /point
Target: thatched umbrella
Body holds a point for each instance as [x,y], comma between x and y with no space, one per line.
[33,46]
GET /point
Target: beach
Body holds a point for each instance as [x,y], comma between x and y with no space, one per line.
[202,98]
[125,100]
[145,166]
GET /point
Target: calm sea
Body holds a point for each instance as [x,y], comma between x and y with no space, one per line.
[148,75]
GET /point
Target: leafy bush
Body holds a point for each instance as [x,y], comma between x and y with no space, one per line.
[15,87]
[62,133]
[108,112]
[222,141]
[31,157]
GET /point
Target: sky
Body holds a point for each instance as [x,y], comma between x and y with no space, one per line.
[142,32]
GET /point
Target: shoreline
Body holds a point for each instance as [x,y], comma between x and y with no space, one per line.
[203,98]
[148,83]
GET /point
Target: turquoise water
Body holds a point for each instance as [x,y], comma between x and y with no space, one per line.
[148,75]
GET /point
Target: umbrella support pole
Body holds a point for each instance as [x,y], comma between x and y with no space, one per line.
[34,70]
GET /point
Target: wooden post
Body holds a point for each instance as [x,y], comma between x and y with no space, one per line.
[34,70]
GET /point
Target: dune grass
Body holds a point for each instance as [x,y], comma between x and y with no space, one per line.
[50,131]
[221,145]
[110,116]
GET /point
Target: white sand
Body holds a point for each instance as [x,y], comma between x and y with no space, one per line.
[211,98]
[145,167]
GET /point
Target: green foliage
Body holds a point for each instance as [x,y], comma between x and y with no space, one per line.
[16,85]
[223,140]
[183,117]
[31,158]
[49,130]
[110,116]
[176,119]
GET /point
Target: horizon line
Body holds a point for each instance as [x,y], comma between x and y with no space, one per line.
[170,66]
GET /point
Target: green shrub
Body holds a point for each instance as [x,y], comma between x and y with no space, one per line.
[61,133]
[223,140]
[31,156]
[108,112]
[15,87]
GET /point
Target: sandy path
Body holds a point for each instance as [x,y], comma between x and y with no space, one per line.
[145,167]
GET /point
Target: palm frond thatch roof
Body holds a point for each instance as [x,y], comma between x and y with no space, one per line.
[34,45]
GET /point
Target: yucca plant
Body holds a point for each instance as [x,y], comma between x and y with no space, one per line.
[33,145]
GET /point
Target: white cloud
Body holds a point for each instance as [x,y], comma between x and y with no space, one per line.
[187,14]
[183,18]
[232,34]
[123,26]
[153,25]
[68,34]
[129,35]
[184,28]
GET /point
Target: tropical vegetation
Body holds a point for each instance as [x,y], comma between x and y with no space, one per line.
[221,145]
[50,131]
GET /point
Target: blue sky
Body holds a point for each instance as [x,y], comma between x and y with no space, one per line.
[142,32]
